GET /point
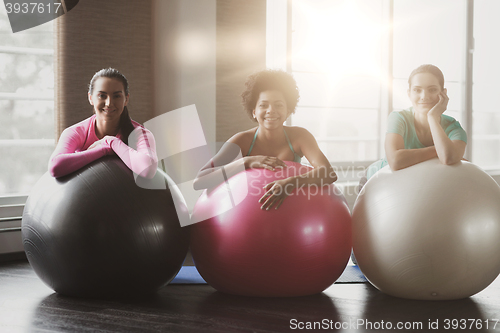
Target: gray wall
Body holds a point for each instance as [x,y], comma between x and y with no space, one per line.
[241,50]
[184,58]
[86,42]
[202,52]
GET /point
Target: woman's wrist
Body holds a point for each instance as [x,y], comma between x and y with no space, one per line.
[434,117]
[290,184]
[247,162]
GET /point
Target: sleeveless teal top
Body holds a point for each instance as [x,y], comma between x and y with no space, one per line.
[296,157]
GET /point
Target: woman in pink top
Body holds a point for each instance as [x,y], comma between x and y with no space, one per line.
[106,132]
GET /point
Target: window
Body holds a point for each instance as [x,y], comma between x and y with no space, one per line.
[352,59]
[26,105]
[27,119]
[486,115]
[418,39]
[338,75]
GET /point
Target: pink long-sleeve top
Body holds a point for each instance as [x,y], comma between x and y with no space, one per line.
[71,152]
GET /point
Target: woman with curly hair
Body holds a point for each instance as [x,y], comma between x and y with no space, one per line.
[270,97]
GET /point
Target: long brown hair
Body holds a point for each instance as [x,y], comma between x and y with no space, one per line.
[427,68]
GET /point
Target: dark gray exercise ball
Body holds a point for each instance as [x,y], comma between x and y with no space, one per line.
[95,233]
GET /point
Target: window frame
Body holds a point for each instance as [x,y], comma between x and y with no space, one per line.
[386,98]
[12,205]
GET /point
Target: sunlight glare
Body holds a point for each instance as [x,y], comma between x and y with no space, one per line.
[340,39]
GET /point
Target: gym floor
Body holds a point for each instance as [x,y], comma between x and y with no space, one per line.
[27,305]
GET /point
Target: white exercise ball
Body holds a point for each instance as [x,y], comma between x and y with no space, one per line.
[429,231]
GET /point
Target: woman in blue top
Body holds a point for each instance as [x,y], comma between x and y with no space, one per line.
[270,97]
[422,132]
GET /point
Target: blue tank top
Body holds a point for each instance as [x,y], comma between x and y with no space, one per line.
[296,157]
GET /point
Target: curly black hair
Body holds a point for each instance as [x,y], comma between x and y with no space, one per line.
[269,79]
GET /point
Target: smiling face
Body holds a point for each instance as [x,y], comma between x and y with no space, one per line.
[271,110]
[424,92]
[108,98]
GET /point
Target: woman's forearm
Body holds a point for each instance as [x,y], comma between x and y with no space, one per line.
[61,164]
[215,175]
[66,158]
[446,151]
[403,158]
[319,176]
[142,161]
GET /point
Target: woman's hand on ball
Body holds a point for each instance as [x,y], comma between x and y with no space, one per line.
[276,192]
[104,142]
[95,145]
[263,162]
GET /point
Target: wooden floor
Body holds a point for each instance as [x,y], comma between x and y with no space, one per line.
[27,305]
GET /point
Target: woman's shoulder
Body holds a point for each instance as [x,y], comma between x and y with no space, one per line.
[80,127]
[139,134]
[136,124]
[296,131]
[244,137]
[78,134]
[403,114]
[448,119]
[401,118]
[139,126]
[85,122]
[300,138]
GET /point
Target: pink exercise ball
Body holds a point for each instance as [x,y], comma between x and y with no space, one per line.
[299,249]
[430,231]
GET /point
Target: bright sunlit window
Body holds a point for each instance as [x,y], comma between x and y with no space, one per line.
[26,105]
[429,32]
[352,59]
[336,59]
